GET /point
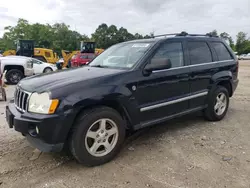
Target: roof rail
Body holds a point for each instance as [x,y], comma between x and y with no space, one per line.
[164,35]
[183,33]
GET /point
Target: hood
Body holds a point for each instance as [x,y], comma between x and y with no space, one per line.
[54,80]
[49,64]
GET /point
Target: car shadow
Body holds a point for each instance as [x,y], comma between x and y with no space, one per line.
[168,126]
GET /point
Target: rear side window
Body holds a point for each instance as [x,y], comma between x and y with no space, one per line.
[199,53]
[221,51]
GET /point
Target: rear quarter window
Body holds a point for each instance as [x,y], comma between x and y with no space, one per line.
[221,51]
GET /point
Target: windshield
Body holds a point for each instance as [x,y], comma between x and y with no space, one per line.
[74,56]
[123,55]
[36,61]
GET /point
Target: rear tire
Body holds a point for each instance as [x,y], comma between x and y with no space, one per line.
[218,102]
[97,136]
[13,76]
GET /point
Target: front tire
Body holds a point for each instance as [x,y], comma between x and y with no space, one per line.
[97,136]
[14,76]
[218,102]
[47,70]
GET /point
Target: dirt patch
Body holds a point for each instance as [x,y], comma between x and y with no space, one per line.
[188,152]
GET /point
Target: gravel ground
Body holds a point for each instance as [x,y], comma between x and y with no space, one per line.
[188,152]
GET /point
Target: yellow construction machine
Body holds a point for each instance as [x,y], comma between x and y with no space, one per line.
[26,48]
[86,47]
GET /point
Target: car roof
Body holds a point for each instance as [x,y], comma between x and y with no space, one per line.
[17,57]
[152,40]
[12,59]
[184,36]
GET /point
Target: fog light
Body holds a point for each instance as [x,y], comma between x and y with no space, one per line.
[37,130]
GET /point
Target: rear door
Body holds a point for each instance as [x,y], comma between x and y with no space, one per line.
[202,67]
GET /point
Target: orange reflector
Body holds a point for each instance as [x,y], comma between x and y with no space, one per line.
[53,106]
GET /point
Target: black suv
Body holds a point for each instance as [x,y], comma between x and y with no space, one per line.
[130,86]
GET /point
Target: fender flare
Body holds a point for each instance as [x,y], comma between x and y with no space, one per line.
[222,76]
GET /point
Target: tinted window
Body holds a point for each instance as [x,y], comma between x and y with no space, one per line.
[91,56]
[47,54]
[221,51]
[84,57]
[172,51]
[199,52]
[35,61]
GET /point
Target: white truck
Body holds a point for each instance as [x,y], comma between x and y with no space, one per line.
[17,68]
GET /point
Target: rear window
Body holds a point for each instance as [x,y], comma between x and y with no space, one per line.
[91,56]
[221,51]
[84,56]
[199,53]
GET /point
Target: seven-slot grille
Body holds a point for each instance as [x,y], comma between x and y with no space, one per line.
[21,99]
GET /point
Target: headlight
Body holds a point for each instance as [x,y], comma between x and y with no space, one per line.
[29,64]
[42,104]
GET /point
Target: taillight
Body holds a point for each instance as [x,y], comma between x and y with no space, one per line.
[29,64]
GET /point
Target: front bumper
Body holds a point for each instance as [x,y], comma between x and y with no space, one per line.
[52,129]
[234,84]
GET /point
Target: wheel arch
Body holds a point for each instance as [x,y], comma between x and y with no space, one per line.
[227,84]
[47,68]
[114,104]
[10,67]
[223,79]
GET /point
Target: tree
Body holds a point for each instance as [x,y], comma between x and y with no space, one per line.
[213,33]
[242,43]
[105,36]
[228,39]
[138,36]
[57,36]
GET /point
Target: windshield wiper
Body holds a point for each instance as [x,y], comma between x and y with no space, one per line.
[100,66]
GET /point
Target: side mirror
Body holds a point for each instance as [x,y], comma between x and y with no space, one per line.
[158,64]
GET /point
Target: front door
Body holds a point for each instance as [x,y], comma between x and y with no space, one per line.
[163,92]
[37,66]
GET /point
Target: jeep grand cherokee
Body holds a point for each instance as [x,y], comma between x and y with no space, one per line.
[89,109]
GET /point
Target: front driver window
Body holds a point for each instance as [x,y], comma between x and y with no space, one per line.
[172,51]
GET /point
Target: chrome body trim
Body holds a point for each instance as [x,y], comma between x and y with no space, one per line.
[151,107]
